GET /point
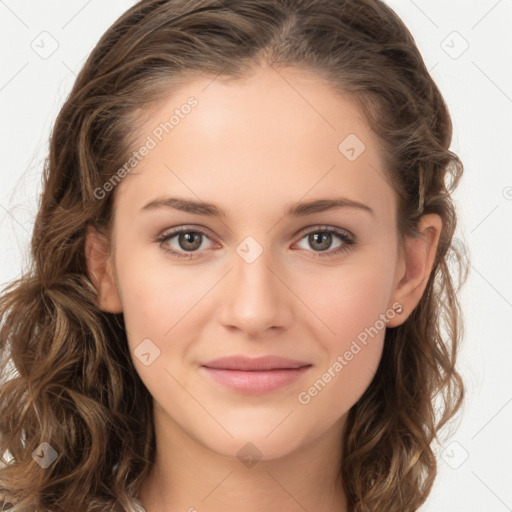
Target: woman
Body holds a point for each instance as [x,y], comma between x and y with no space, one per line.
[239,296]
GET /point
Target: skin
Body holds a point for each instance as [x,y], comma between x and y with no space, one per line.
[253,148]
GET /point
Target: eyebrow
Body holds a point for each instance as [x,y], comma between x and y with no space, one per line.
[295,210]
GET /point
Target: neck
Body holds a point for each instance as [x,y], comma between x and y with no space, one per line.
[188,476]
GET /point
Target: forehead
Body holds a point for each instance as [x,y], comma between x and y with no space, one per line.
[279,135]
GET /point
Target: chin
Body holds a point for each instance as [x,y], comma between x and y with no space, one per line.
[250,450]
[252,442]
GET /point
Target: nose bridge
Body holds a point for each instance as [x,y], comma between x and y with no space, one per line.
[255,299]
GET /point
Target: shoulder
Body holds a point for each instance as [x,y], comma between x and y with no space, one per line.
[135,506]
[138,505]
[5,505]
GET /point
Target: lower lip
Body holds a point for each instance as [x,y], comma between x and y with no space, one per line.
[256,382]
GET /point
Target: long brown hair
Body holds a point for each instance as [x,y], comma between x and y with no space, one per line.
[66,372]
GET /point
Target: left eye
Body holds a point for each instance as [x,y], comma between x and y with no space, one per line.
[321,240]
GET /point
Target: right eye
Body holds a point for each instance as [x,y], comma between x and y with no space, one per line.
[188,241]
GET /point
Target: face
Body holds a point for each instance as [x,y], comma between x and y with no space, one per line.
[264,276]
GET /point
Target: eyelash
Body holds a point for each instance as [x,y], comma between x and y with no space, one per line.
[348,241]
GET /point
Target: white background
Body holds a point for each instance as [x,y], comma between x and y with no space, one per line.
[475,473]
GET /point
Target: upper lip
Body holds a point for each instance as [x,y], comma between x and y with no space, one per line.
[254,364]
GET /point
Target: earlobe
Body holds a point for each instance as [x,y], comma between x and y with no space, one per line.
[100,271]
[419,261]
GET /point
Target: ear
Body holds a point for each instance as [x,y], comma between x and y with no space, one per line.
[100,271]
[415,267]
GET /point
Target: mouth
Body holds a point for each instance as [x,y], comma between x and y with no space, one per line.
[255,376]
[241,362]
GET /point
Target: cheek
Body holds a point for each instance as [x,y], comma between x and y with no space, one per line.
[346,300]
[352,304]
[334,389]
[155,310]
[153,298]
[353,352]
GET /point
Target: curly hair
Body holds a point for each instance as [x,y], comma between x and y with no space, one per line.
[66,372]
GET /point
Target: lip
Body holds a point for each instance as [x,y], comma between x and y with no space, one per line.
[240,362]
[255,375]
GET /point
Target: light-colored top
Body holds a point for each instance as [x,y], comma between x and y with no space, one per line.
[138,505]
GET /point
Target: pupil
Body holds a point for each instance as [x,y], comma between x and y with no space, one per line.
[323,238]
[189,239]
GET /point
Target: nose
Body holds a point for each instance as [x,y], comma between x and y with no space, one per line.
[254,298]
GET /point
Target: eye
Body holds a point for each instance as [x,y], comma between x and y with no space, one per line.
[321,240]
[188,241]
